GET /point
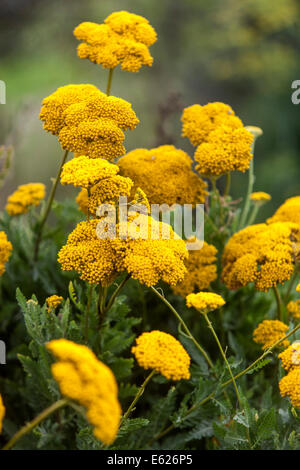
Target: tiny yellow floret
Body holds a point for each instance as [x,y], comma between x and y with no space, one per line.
[54,301]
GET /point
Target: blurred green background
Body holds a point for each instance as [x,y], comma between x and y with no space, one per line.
[244,53]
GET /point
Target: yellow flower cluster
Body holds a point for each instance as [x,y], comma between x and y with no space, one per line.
[205,301]
[199,121]
[293,307]
[147,259]
[2,413]
[225,150]
[165,174]
[54,301]
[5,251]
[270,331]
[260,253]
[290,386]
[88,121]
[85,379]
[298,288]
[260,197]
[289,211]
[290,357]
[123,39]
[25,196]
[163,353]
[201,269]
[86,172]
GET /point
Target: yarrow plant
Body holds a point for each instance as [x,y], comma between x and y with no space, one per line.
[131,335]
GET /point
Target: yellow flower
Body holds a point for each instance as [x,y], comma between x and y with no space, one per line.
[201,269]
[5,251]
[162,352]
[226,150]
[87,121]
[123,39]
[53,301]
[85,172]
[205,301]
[293,307]
[260,197]
[260,253]
[298,288]
[199,121]
[290,386]
[289,211]
[290,357]
[25,196]
[270,331]
[85,379]
[165,174]
[2,413]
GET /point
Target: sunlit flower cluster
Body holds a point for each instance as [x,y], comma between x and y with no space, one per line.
[87,121]
[165,174]
[25,196]
[205,301]
[290,357]
[289,211]
[290,386]
[262,254]
[293,307]
[5,251]
[163,353]
[53,301]
[85,379]
[268,332]
[123,39]
[85,172]
[260,197]
[2,413]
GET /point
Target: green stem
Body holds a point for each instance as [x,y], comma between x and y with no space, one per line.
[110,75]
[115,293]
[203,352]
[138,395]
[249,191]
[87,312]
[48,207]
[291,285]
[278,302]
[253,214]
[228,184]
[32,424]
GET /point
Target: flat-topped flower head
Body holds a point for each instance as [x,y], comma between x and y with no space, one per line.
[199,121]
[86,172]
[2,413]
[123,39]
[262,254]
[83,378]
[225,150]
[260,197]
[5,251]
[298,288]
[165,174]
[289,211]
[54,301]
[289,386]
[205,301]
[201,269]
[270,331]
[290,357]
[87,121]
[293,307]
[25,196]
[163,353]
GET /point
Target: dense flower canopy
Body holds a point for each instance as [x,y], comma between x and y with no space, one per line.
[123,39]
[87,121]
[290,357]
[270,331]
[165,174]
[25,196]
[289,211]
[201,269]
[205,301]
[83,378]
[2,413]
[85,172]
[5,251]
[163,353]
[260,253]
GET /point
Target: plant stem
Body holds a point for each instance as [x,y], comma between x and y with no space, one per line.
[32,424]
[138,395]
[253,214]
[110,75]
[203,352]
[228,183]
[290,286]
[101,303]
[87,312]
[48,207]
[116,292]
[249,191]
[210,326]
[279,303]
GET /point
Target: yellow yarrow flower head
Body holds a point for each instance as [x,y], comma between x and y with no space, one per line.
[201,269]
[293,307]
[86,172]
[87,121]
[53,301]
[289,211]
[260,198]
[2,413]
[83,378]
[25,196]
[205,302]
[290,357]
[165,173]
[260,253]
[270,331]
[5,251]
[199,121]
[226,150]
[123,39]
[298,288]
[290,387]
[163,353]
